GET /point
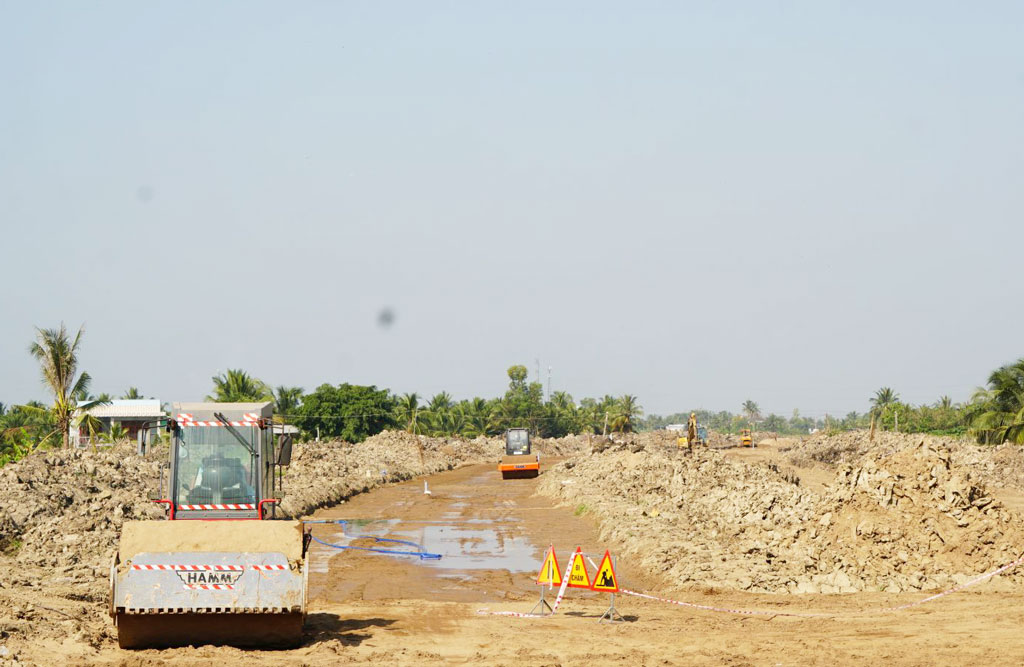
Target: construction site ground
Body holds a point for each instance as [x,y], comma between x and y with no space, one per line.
[367,608]
[372,608]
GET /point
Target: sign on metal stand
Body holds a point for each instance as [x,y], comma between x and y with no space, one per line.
[551,576]
[605,581]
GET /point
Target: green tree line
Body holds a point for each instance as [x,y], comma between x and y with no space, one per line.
[355,412]
[889,413]
[994,414]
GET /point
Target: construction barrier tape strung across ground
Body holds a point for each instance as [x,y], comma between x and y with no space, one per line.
[967,584]
[757,612]
[744,612]
[558,599]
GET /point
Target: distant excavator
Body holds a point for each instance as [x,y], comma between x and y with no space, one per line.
[695,433]
[746,439]
[518,461]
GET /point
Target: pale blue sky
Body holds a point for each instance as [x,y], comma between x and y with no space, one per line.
[694,203]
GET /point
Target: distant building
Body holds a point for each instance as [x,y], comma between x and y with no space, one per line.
[676,427]
[130,414]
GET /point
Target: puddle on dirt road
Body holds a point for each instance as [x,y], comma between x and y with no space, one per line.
[473,548]
[468,544]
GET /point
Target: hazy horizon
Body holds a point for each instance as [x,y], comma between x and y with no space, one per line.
[697,205]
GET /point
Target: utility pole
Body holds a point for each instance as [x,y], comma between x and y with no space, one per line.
[549,383]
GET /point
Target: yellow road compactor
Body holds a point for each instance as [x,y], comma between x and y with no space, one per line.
[221,569]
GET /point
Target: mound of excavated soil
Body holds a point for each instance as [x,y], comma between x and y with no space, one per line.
[1000,465]
[62,510]
[909,521]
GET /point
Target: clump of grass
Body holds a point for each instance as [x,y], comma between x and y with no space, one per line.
[9,546]
[581,509]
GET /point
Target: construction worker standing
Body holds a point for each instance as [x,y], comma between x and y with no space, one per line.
[691,430]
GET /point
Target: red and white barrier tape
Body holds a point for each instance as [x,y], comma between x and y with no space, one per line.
[209,587]
[870,612]
[219,506]
[248,419]
[756,612]
[207,568]
[558,600]
[191,568]
[744,612]
[218,423]
[980,578]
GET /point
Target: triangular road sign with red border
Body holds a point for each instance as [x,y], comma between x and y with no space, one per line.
[605,580]
[549,572]
[578,575]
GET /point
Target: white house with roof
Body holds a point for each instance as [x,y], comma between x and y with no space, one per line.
[131,414]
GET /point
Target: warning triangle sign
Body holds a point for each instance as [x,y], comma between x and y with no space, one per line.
[578,576]
[549,572]
[605,580]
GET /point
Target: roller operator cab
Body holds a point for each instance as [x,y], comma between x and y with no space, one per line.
[518,461]
[220,569]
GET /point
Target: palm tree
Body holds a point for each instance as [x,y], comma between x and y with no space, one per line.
[287,400]
[626,413]
[561,412]
[438,413]
[440,403]
[752,410]
[17,426]
[589,417]
[883,398]
[478,417]
[996,414]
[57,355]
[407,411]
[944,403]
[133,393]
[456,423]
[91,425]
[444,420]
[20,429]
[237,386]
[561,400]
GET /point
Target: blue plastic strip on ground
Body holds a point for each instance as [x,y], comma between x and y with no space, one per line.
[423,555]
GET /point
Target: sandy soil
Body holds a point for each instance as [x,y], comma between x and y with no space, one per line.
[399,610]
[770,450]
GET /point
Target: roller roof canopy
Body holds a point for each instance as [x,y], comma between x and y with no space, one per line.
[233,411]
[128,409]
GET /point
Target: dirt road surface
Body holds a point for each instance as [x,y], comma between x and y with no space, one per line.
[372,608]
